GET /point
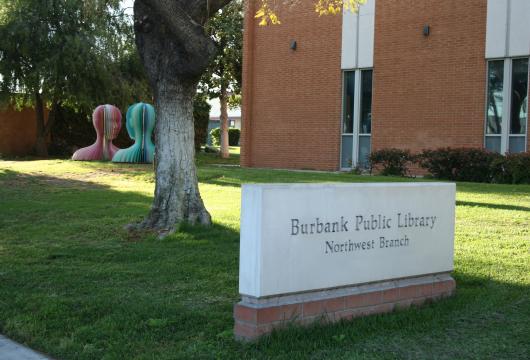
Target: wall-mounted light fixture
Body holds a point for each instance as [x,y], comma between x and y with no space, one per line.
[294,45]
[426,30]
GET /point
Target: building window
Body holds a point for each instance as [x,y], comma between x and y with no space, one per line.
[356,118]
[507,106]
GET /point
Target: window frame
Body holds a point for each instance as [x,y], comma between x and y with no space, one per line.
[505,134]
[356,134]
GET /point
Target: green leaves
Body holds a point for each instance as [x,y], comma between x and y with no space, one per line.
[77,53]
[226,28]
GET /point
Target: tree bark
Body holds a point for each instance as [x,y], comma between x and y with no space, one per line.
[44,126]
[177,198]
[175,52]
[41,146]
[223,100]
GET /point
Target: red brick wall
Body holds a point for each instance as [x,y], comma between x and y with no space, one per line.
[528,116]
[18,131]
[429,91]
[246,101]
[292,99]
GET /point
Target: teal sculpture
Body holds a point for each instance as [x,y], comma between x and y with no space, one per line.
[140,125]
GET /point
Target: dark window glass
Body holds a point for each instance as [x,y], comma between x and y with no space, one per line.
[366,102]
[517,144]
[493,143]
[347,151]
[495,97]
[519,110]
[364,150]
[349,99]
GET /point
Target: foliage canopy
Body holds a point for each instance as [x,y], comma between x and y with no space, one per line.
[76,53]
[226,28]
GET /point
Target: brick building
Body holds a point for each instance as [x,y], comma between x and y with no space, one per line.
[322,92]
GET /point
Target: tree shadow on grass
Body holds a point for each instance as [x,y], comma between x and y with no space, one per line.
[220,180]
[10,179]
[492,206]
[104,199]
[483,188]
[236,177]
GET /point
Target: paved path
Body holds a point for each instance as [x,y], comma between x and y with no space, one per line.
[10,350]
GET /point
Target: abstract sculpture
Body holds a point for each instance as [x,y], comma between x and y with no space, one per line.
[140,125]
[107,122]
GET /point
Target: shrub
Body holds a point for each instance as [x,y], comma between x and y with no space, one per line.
[201,117]
[216,136]
[499,171]
[233,136]
[210,150]
[511,169]
[459,164]
[392,161]
[439,163]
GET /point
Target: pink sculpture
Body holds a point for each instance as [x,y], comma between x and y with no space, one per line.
[107,122]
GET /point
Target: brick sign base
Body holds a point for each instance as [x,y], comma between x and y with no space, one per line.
[256,317]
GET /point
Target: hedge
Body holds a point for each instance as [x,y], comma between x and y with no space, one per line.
[201,117]
[457,164]
[512,169]
[392,161]
[233,136]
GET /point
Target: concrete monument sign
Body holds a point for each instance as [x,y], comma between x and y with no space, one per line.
[302,243]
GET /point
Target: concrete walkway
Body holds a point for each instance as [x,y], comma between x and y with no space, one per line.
[10,350]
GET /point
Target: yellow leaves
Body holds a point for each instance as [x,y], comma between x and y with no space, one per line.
[274,19]
[267,15]
[353,5]
[334,7]
[328,7]
[260,13]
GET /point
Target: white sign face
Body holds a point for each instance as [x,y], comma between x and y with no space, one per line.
[305,237]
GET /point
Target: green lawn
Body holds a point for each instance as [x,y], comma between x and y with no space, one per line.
[75,285]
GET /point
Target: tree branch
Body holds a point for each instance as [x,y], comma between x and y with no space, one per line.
[184,27]
[52,117]
[202,10]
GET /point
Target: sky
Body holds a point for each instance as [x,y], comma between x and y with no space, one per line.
[128,4]
[216,109]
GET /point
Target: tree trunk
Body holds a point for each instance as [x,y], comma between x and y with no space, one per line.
[223,99]
[44,126]
[41,146]
[175,51]
[177,198]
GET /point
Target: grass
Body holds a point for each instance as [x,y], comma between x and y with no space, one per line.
[75,285]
